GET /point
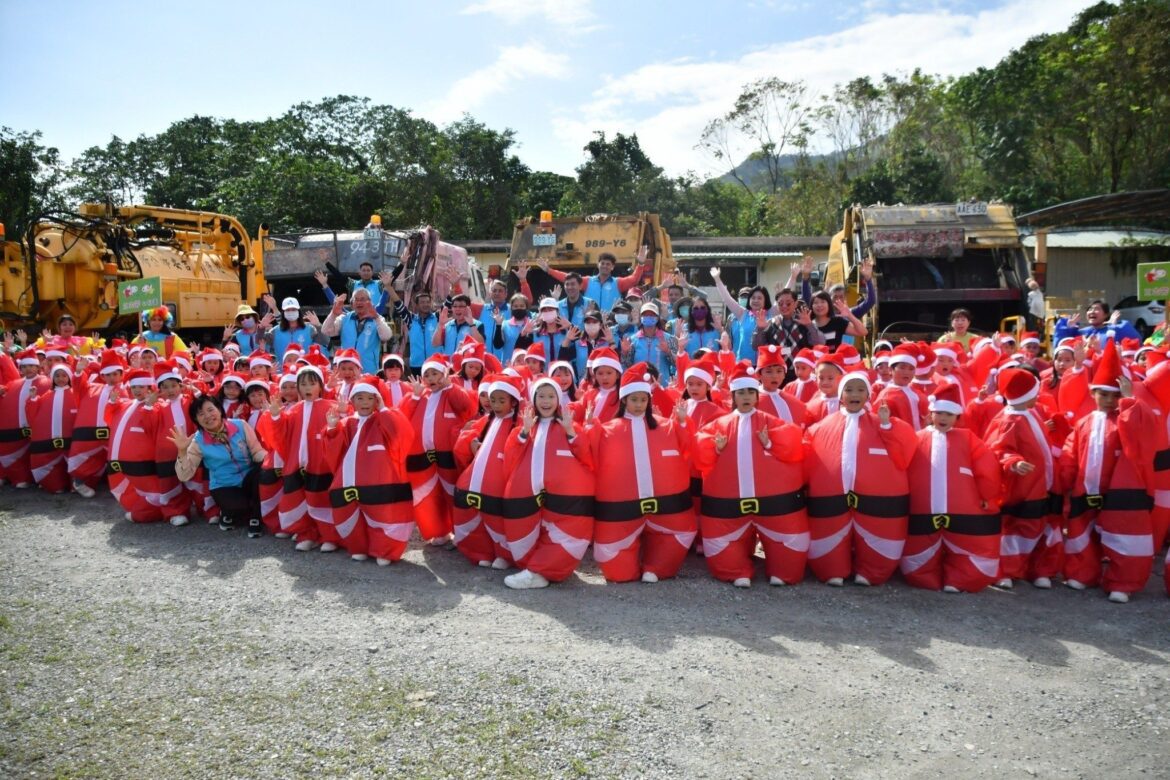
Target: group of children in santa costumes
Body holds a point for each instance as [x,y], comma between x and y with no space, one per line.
[957,470]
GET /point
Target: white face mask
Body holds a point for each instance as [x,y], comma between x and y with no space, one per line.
[548,316]
[292,316]
[592,328]
[248,322]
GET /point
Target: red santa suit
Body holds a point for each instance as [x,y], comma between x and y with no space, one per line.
[858,503]
[603,401]
[752,491]
[548,498]
[370,492]
[1107,463]
[906,404]
[804,390]
[15,430]
[1031,546]
[437,418]
[177,497]
[89,450]
[952,541]
[133,478]
[643,508]
[1155,391]
[479,491]
[51,417]
[699,413]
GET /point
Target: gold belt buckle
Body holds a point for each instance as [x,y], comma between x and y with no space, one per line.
[58,444]
[432,456]
[1095,501]
[749,506]
[101,433]
[648,506]
[350,494]
[475,500]
[940,521]
[539,499]
[115,467]
[278,472]
[303,472]
[26,433]
[851,500]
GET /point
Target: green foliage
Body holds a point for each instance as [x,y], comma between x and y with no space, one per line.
[29,173]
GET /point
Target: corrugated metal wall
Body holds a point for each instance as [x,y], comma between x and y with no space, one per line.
[1087,269]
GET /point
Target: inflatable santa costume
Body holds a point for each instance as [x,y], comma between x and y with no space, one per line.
[645,518]
[15,430]
[51,417]
[952,542]
[753,473]
[771,370]
[858,502]
[132,474]
[89,450]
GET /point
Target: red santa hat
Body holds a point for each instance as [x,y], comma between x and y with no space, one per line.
[1029,337]
[491,363]
[1007,338]
[367,383]
[925,358]
[139,378]
[293,351]
[57,349]
[259,358]
[636,379]
[182,358]
[951,349]
[882,357]
[147,348]
[438,362]
[512,385]
[881,344]
[849,356]
[1017,386]
[905,355]
[210,354]
[536,352]
[111,362]
[236,378]
[1130,347]
[393,357]
[231,346]
[164,370]
[703,370]
[1157,382]
[471,351]
[544,380]
[347,356]
[859,375]
[770,355]
[561,364]
[1108,370]
[1069,344]
[604,356]
[256,383]
[743,377]
[807,357]
[831,359]
[287,379]
[61,368]
[947,399]
[27,357]
[309,368]
[1155,357]
[315,357]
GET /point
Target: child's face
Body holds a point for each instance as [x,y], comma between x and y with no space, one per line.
[535,366]
[168,390]
[854,395]
[1063,361]
[260,372]
[309,386]
[1107,400]
[60,379]
[637,403]
[147,360]
[746,399]
[546,401]
[472,369]
[945,365]
[432,377]
[139,392]
[563,377]
[258,398]
[943,421]
[364,403]
[232,391]
[606,377]
[212,366]
[802,371]
[828,376]
[696,388]
[393,372]
[30,372]
[288,392]
[347,371]
[884,372]
[501,403]
[113,377]
[771,377]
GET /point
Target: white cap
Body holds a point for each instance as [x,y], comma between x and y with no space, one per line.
[650,306]
[548,303]
[290,303]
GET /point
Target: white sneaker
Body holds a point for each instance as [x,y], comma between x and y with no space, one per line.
[859,580]
[384,561]
[776,581]
[950,589]
[1042,582]
[524,580]
[1117,597]
[358,557]
[485,564]
[84,490]
[21,485]
[328,547]
[439,541]
[649,576]
[130,516]
[281,535]
[1006,583]
[500,564]
[213,520]
[835,582]
[179,520]
[307,544]
[740,582]
[1075,584]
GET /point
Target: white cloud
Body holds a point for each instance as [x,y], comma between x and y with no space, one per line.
[565,13]
[514,65]
[668,103]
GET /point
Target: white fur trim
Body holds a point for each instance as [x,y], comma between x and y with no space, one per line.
[698,373]
[945,406]
[634,387]
[854,375]
[435,365]
[744,383]
[1026,397]
[608,361]
[507,387]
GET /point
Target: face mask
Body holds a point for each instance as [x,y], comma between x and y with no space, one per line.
[700,314]
[519,314]
[249,322]
[548,316]
[292,316]
[743,302]
[592,329]
[684,311]
[649,322]
[621,319]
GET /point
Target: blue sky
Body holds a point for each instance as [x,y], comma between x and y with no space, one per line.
[81,72]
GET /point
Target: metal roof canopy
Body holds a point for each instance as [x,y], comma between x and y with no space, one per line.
[733,255]
[1150,207]
[1100,239]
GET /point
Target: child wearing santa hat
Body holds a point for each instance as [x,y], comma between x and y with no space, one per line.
[830,369]
[906,403]
[771,370]
[171,410]
[602,397]
[1108,464]
[479,457]
[133,477]
[858,495]
[15,429]
[804,387]
[51,417]
[370,492]
[753,474]
[91,432]
[953,539]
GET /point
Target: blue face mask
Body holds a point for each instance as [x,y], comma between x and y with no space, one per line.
[684,311]
[743,302]
[621,319]
[649,322]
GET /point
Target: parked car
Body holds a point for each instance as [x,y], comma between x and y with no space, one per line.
[1145,316]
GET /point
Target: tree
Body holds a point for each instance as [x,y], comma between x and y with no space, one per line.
[618,177]
[29,173]
[543,190]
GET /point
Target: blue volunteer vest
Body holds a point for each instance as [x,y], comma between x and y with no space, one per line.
[453,335]
[364,338]
[226,464]
[282,338]
[421,334]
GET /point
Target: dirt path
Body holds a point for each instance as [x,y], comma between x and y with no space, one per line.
[136,651]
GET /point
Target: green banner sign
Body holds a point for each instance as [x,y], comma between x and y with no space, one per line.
[139,295]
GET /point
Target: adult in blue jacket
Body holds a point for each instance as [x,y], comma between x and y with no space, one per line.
[1099,325]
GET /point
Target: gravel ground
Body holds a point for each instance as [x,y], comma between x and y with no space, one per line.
[151,651]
